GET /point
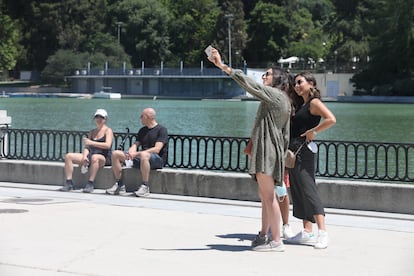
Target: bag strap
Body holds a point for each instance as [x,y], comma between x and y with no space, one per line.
[297,151]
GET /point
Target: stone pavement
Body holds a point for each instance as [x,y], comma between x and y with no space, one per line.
[45,232]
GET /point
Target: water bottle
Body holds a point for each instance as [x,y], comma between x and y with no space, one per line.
[129,163]
[84,169]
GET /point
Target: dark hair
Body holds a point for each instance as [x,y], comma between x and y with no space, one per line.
[280,78]
[295,99]
[314,91]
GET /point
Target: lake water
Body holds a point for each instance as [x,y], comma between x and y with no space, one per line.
[355,121]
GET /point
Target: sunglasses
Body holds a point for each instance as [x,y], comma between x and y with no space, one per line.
[265,75]
[99,116]
[299,82]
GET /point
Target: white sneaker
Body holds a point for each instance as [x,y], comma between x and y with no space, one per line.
[142,191]
[271,246]
[116,189]
[302,237]
[287,232]
[323,240]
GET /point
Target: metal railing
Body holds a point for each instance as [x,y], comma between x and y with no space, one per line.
[338,159]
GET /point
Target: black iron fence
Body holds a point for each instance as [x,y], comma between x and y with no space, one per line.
[340,159]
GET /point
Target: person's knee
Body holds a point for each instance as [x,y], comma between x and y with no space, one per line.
[96,158]
[117,155]
[145,157]
[69,157]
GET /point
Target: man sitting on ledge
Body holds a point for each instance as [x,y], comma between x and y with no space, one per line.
[153,140]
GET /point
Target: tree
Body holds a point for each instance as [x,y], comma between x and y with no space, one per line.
[390,68]
[321,10]
[51,25]
[79,21]
[9,44]
[232,17]
[268,29]
[145,30]
[349,30]
[103,47]
[192,27]
[62,63]
[305,37]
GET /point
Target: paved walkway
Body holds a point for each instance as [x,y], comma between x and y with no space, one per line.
[45,232]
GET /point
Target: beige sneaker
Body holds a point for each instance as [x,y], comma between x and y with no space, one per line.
[271,246]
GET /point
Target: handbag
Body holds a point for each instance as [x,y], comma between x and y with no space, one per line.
[291,157]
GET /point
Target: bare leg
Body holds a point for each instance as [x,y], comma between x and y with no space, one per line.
[265,223]
[97,161]
[320,221]
[70,159]
[270,204]
[307,225]
[118,157]
[284,209]
[145,166]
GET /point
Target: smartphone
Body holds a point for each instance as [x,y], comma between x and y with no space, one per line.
[208,51]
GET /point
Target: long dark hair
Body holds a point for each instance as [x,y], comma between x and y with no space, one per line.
[314,91]
[295,99]
[280,78]
[283,80]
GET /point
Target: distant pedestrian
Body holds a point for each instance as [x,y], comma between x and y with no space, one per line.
[95,155]
[306,124]
[270,138]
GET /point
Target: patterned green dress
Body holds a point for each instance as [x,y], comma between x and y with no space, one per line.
[270,135]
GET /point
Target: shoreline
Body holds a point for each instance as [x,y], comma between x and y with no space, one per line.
[50,92]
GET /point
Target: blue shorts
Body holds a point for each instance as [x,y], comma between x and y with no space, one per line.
[156,162]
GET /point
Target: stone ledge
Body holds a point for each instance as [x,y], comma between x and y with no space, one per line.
[342,194]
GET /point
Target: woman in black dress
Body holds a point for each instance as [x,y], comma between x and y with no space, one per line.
[310,118]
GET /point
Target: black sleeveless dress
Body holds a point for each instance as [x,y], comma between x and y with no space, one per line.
[305,195]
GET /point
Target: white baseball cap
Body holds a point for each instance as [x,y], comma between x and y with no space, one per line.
[102,113]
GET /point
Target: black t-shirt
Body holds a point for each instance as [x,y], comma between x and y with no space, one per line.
[147,137]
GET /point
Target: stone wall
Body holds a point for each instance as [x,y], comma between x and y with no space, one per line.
[342,194]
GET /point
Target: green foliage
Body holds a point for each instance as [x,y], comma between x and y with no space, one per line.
[61,64]
[349,29]
[305,36]
[231,16]
[268,31]
[191,28]
[104,48]
[283,31]
[391,65]
[145,31]
[321,10]
[9,34]
[373,38]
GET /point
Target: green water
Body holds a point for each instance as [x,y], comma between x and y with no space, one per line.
[355,122]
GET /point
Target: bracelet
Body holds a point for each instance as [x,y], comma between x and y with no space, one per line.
[315,132]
